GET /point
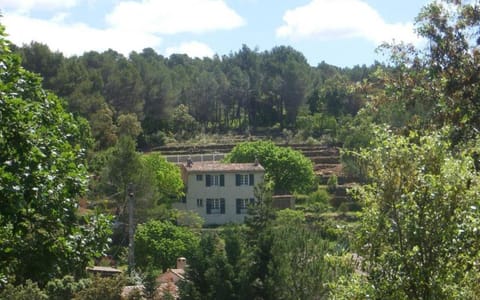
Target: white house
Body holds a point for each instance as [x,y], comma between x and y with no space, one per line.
[220,192]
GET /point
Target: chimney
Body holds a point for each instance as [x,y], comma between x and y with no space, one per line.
[181,263]
[256,163]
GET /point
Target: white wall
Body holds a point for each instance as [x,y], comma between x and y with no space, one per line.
[198,190]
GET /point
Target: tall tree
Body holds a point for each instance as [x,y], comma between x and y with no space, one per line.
[289,71]
[123,88]
[249,62]
[303,263]
[439,85]
[42,158]
[158,89]
[419,232]
[38,58]
[122,169]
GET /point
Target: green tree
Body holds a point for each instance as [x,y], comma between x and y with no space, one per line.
[103,128]
[209,274]
[42,172]
[158,89]
[123,88]
[248,61]
[122,168]
[129,125]
[159,244]
[38,58]
[64,288]
[289,169]
[183,123]
[419,229]
[108,288]
[285,85]
[303,263]
[436,86]
[27,291]
[157,186]
[167,177]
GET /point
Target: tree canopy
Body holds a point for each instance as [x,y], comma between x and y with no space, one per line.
[419,228]
[247,91]
[289,169]
[159,244]
[42,173]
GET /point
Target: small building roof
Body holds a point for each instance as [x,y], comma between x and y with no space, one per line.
[103,270]
[223,167]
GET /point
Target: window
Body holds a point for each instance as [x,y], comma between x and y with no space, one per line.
[215,180]
[242,205]
[216,206]
[244,179]
[199,177]
[199,202]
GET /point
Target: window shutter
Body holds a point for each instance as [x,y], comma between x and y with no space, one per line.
[237,179]
[252,179]
[209,206]
[208,180]
[222,180]
[222,205]
[252,201]
[238,206]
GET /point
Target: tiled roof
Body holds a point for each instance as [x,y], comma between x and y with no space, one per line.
[223,167]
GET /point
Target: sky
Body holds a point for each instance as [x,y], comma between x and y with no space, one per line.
[339,32]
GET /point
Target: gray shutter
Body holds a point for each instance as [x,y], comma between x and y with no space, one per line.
[209,206]
[238,206]
[222,205]
[208,180]
[222,180]
[237,179]
[252,179]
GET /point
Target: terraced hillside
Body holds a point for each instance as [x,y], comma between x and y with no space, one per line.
[326,161]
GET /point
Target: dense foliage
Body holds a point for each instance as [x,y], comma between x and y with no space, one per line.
[409,128]
[275,256]
[420,226]
[177,97]
[42,173]
[159,244]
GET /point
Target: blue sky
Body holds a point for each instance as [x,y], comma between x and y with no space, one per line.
[339,32]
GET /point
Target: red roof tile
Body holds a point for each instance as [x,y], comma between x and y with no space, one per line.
[223,167]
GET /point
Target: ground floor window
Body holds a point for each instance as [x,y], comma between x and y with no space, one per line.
[242,205]
[216,206]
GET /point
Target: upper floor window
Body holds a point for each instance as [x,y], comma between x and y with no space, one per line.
[215,180]
[199,202]
[199,177]
[244,179]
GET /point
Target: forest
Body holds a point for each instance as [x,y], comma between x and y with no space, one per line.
[176,98]
[80,135]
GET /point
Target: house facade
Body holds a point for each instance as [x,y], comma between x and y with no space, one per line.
[220,192]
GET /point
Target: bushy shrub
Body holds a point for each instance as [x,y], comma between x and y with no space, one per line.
[332,183]
[28,291]
[105,288]
[319,196]
[319,200]
[64,288]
